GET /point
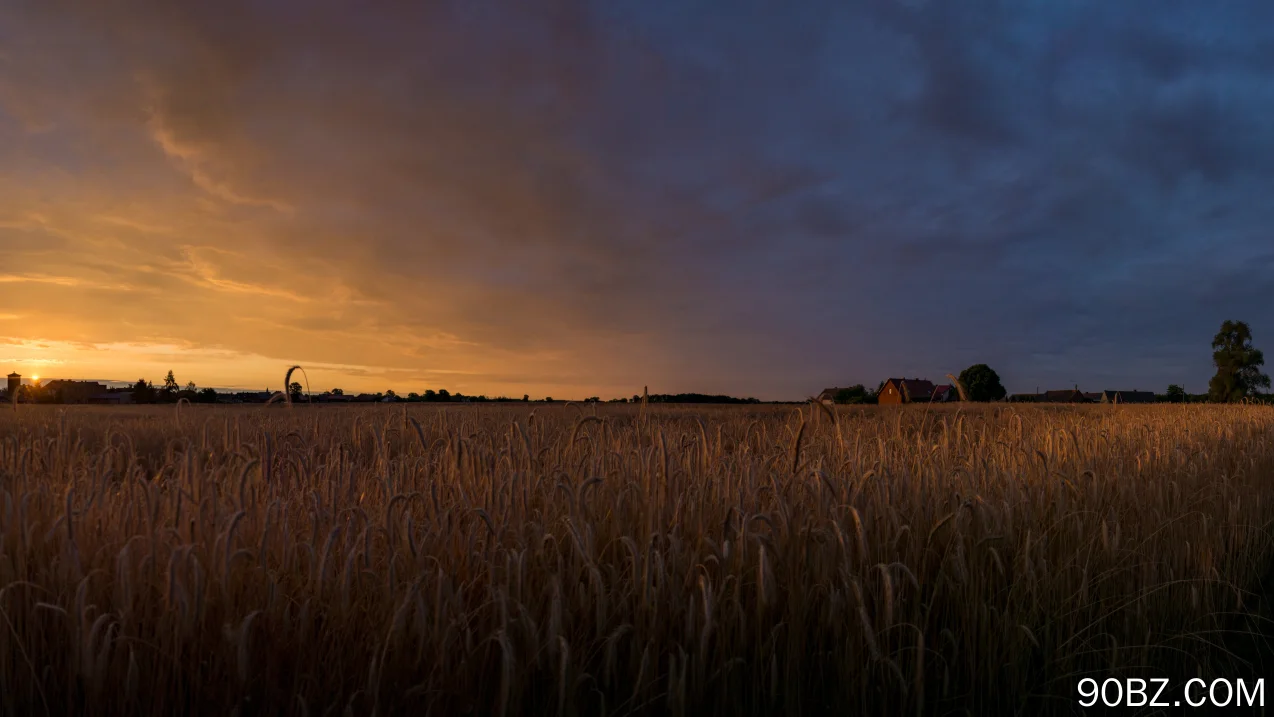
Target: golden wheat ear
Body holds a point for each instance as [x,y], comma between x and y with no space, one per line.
[964,396]
[287,381]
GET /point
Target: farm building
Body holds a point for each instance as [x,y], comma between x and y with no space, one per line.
[1127,397]
[113,398]
[1066,395]
[828,396]
[905,390]
[944,393]
[73,391]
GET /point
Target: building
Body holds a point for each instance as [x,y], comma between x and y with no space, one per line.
[112,398]
[944,393]
[63,391]
[15,382]
[333,398]
[1093,397]
[1066,395]
[905,390]
[1127,397]
[828,396]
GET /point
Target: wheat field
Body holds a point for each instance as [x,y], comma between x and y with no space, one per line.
[621,560]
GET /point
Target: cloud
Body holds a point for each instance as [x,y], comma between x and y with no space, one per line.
[599,196]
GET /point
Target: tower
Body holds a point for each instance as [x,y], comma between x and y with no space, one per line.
[15,381]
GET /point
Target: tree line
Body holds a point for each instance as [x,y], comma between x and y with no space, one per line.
[1238,376]
[170,392]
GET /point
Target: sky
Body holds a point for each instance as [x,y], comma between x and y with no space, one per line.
[572,198]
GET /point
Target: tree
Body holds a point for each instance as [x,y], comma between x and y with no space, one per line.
[296,390]
[444,395]
[982,383]
[207,395]
[854,394]
[170,384]
[431,395]
[337,392]
[1176,394]
[143,391]
[413,396]
[1238,364]
[391,395]
[526,397]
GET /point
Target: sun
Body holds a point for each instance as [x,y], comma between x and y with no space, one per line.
[35,378]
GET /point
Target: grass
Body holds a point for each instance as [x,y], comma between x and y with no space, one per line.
[624,559]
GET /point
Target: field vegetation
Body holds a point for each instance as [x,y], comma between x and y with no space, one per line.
[623,559]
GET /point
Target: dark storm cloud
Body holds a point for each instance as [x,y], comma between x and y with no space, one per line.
[749,198]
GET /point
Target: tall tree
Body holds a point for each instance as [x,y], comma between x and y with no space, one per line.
[1176,393]
[1238,364]
[854,394]
[982,383]
[143,392]
[170,384]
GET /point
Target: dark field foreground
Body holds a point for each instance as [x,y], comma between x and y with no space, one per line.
[686,561]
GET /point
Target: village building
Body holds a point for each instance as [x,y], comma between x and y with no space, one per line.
[1066,395]
[64,391]
[1127,397]
[944,393]
[905,390]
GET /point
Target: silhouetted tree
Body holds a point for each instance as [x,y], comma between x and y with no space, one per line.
[1238,364]
[444,395]
[170,386]
[296,390]
[413,396]
[1175,393]
[982,383]
[526,397]
[853,394]
[190,392]
[143,391]
[337,392]
[207,395]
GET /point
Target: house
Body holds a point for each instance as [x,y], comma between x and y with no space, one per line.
[112,398]
[828,396]
[1093,397]
[905,390]
[64,391]
[1065,395]
[1127,397]
[944,393]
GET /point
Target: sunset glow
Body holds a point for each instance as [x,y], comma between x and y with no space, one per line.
[584,202]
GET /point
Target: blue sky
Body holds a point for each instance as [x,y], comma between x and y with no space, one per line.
[573,198]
